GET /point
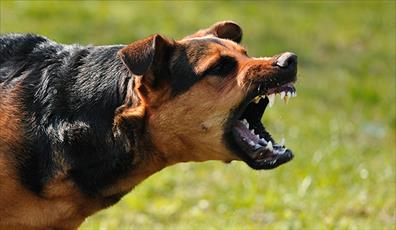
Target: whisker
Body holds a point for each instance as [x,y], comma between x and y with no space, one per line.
[250,84]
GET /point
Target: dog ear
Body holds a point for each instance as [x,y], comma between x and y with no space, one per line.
[225,29]
[140,55]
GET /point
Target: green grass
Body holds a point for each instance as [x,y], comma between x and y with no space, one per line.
[342,126]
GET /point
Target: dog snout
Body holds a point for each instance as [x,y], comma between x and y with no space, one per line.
[286,60]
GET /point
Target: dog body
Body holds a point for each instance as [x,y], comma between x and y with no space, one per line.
[81,126]
[57,105]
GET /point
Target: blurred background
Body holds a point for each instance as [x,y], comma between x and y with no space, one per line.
[341,126]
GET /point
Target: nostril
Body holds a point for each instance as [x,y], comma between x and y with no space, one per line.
[286,59]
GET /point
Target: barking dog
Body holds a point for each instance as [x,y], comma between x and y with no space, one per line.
[80,126]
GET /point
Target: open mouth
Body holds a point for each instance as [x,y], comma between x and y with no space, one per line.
[254,143]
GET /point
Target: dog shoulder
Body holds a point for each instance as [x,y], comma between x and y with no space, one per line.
[14,44]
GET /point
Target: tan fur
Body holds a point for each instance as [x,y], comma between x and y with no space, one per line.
[188,127]
[193,138]
[19,208]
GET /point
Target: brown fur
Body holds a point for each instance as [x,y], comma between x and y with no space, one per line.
[172,129]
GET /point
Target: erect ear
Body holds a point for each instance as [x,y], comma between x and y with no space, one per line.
[225,29]
[140,55]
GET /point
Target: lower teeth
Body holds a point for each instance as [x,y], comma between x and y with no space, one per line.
[276,148]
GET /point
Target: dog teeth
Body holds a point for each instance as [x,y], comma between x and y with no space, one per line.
[282,95]
[263,141]
[269,146]
[257,136]
[246,123]
[282,142]
[271,99]
[257,99]
[286,99]
[251,143]
[252,131]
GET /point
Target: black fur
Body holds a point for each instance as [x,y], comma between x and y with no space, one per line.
[69,94]
[223,67]
[183,75]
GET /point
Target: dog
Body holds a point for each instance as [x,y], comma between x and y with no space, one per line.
[80,126]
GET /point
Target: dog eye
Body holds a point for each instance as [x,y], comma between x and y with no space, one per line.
[224,66]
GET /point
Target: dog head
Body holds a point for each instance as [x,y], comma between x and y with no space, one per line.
[202,97]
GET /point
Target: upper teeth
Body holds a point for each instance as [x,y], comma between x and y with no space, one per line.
[258,98]
[271,99]
[279,148]
[285,96]
[282,95]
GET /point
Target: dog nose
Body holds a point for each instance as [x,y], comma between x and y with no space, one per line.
[286,59]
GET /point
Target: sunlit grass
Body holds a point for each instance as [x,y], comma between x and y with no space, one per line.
[341,126]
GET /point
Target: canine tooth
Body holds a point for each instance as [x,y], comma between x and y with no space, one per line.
[282,142]
[271,99]
[252,131]
[246,125]
[263,140]
[286,99]
[269,146]
[282,94]
[257,99]
[244,121]
[251,143]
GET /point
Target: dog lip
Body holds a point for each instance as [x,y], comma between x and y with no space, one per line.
[266,85]
[273,161]
[269,158]
[259,152]
[286,87]
[256,148]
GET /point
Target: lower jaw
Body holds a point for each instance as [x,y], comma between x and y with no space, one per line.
[248,137]
[272,163]
[259,150]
